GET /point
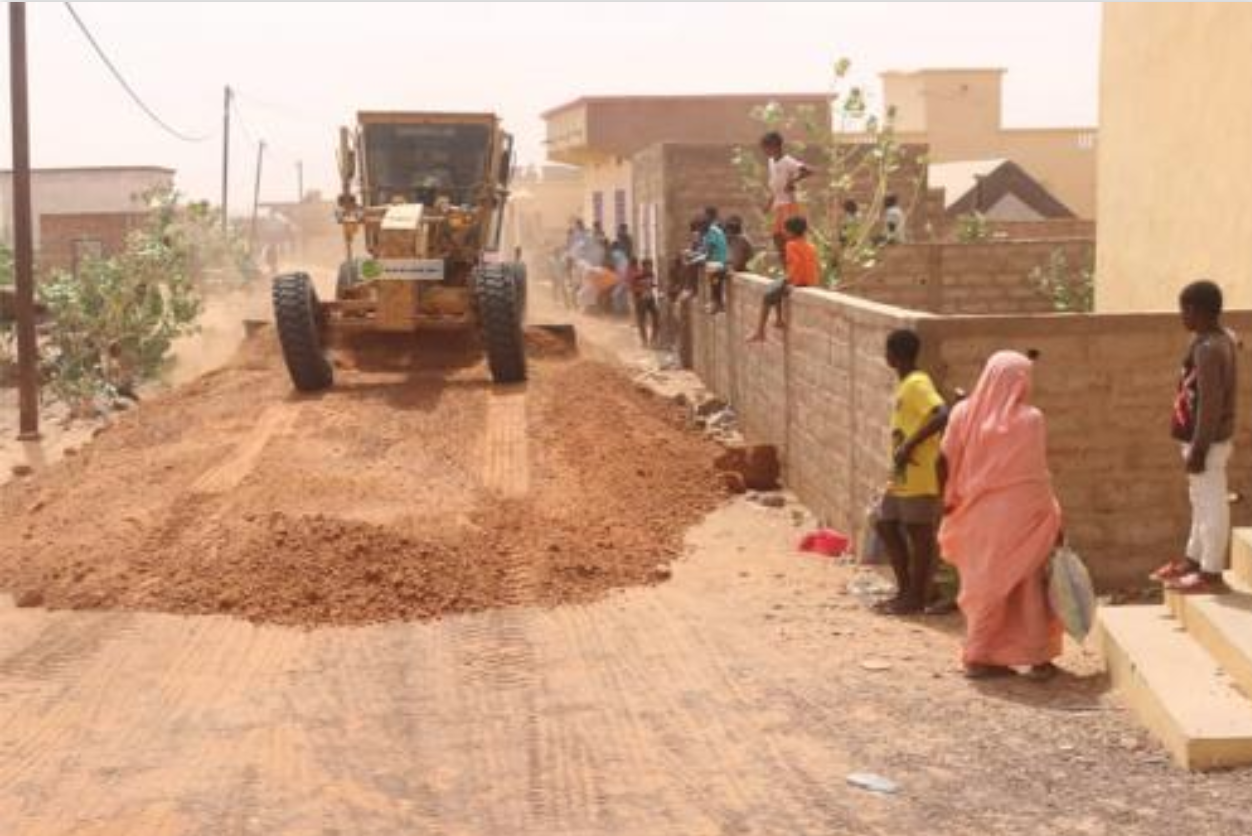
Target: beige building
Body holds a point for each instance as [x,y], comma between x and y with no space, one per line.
[543,200]
[1175,153]
[601,134]
[80,212]
[94,190]
[958,113]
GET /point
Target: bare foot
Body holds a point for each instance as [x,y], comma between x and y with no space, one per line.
[780,325]
[756,338]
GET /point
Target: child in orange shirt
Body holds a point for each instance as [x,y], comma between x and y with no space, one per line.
[802,271]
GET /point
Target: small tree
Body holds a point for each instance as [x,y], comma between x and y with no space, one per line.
[1072,290]
[972,227]
[859,158]
[113,320]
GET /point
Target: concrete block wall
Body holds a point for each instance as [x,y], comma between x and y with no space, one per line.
[822,392]
[1044,229]
[1106,385]
[991,277]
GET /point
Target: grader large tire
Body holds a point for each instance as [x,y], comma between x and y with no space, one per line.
[296,318]
[518,271]
[500,301]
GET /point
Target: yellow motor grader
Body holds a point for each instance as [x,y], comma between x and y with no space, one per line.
[426,192]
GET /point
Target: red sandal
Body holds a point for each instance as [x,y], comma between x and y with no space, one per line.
[1173,570]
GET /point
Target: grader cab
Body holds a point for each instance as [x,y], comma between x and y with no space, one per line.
[421,208]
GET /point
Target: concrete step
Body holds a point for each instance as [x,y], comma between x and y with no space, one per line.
[1222,624]
[1241,555]
[1176,688]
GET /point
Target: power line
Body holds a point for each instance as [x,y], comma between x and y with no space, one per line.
[254,136]
[289,112]
[243,122]
[126,86]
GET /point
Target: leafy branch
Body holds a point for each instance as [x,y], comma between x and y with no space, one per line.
[1071,290]
[858,157]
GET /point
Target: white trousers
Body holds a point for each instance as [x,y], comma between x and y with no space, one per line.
[1210,510]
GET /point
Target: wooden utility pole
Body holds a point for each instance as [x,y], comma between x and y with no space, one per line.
[256,193]
[226,160]
[23,245]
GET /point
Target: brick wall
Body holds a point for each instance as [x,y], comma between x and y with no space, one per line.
[1045,229]
[1105,382]
[58,232]
[990,277]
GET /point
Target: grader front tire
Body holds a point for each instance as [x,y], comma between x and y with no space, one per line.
[500,301]
[296,319]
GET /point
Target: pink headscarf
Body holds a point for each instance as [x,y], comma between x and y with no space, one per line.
[993,438]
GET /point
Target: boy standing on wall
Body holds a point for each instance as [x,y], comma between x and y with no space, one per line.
[800,257]
[1204,423]
[785,173]
[912,505]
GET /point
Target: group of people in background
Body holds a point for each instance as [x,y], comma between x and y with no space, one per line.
[596,275]
[971,484]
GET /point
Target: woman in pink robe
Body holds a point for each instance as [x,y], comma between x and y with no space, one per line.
[1002,523]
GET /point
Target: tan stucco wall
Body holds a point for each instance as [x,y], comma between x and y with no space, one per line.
[1175,153]
[962,110]
[904,91]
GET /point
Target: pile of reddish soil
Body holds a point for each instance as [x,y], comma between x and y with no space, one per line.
[400,494]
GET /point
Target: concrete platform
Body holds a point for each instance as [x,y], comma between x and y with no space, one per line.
[1222,625]
[1176,688]
[1241,555]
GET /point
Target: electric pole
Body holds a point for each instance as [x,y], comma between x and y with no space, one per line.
[299,181]
[256,193]
[226,160]
[23,244]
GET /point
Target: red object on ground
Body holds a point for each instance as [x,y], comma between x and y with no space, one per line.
[825,541]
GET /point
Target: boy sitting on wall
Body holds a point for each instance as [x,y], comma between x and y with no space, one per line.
[801,271]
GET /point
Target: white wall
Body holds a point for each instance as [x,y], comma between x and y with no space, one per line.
[606,179]
[80,191]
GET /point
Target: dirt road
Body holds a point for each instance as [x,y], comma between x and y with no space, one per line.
[733,698]
[413,489]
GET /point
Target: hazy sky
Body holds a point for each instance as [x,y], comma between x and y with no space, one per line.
[304,68]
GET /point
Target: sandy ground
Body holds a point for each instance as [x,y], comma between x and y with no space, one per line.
[57,434]
[733,699]
[412,489]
